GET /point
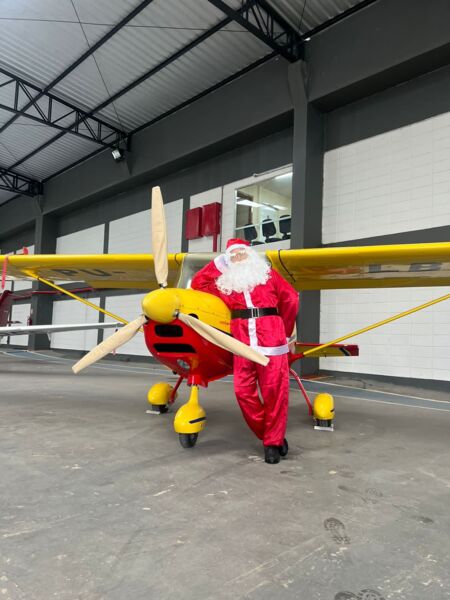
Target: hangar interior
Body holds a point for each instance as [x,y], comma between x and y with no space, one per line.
[311,123]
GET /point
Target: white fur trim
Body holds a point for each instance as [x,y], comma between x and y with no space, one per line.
[221,263]
[234,246]
[272,350]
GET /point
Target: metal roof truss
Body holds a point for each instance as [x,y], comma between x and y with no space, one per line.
[19,184]
[259,18]
[47,109]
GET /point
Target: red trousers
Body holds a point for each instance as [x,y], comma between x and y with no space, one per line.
[267,418]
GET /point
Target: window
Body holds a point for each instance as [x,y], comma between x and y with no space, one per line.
[263,210]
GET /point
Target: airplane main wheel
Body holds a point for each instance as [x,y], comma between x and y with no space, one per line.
[161,408]
[188,440]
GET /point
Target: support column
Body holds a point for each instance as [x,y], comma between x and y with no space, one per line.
[307,181]
[42,305]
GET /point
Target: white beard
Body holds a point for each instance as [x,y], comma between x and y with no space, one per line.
[245,275]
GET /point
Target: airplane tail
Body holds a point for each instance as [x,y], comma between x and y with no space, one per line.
[6,300]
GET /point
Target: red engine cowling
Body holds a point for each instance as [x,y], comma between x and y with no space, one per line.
[182,350]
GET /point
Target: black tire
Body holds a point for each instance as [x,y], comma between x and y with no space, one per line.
[188,440]
[161,408]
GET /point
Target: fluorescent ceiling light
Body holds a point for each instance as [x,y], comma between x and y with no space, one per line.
[249,203]
[284,176]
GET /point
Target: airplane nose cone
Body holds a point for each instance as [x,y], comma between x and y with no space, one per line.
[161,305]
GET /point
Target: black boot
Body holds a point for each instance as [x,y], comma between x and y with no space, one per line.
[272,454]
[284,449]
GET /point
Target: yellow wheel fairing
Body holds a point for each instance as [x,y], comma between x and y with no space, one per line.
[324,407]
[159,394]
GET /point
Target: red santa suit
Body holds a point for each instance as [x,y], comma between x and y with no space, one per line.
[269,335]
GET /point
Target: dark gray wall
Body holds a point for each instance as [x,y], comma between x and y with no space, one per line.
[247,109]
[264,154]
[17,240]
[416,100]
[384,44]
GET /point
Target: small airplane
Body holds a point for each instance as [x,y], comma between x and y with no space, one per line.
[8,328]
[189,331]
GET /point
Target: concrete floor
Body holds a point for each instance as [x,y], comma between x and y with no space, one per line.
[99,500]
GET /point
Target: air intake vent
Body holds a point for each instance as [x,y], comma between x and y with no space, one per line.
[174,348]
[168,331]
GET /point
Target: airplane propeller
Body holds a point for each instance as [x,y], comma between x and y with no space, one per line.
[223,340]
[161,264]
[125,334]
[159,238]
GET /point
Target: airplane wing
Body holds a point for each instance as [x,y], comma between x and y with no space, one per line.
[132,271]
[307,269]
[27,329]
[398,265]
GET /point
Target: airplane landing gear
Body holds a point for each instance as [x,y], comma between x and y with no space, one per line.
[161,395]
[324,412]
[190,419]
[188,440]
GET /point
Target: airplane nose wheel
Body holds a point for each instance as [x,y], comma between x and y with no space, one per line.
[190,419]
[188,440]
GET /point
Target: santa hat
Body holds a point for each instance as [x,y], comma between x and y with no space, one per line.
[236,243]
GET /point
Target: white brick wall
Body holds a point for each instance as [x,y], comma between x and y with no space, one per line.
[414,346]
[394,182]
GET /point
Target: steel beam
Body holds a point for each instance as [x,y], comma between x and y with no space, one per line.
[49,110]
[147,75]
[19,184]
[260,19]
[81,59]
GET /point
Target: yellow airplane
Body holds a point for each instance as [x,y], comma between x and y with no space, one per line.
[189,331]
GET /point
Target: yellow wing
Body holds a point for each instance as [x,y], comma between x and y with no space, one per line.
[311,269]
[132,271]
[399,265]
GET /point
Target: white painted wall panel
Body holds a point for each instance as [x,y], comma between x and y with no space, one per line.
[86,241]
[20,313]
[132,234]
[415,346]
[71,312]
[128,307]
[393,182]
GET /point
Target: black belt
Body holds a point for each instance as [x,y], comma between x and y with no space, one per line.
[253,313]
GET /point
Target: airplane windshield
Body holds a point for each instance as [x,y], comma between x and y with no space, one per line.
[192,263]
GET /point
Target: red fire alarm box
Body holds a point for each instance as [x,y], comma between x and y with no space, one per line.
[211,219]
[194,223]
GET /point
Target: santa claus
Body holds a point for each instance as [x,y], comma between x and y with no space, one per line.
[263,311]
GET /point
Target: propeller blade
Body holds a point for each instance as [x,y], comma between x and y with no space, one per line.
[159,237]
[119,338]
[223,340]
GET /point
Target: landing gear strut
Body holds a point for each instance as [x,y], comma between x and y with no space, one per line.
[190,418]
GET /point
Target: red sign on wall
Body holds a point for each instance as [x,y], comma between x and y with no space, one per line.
[211,219]
[194,223]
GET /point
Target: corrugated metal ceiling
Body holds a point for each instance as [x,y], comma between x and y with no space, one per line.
[307,15]
[40,39]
